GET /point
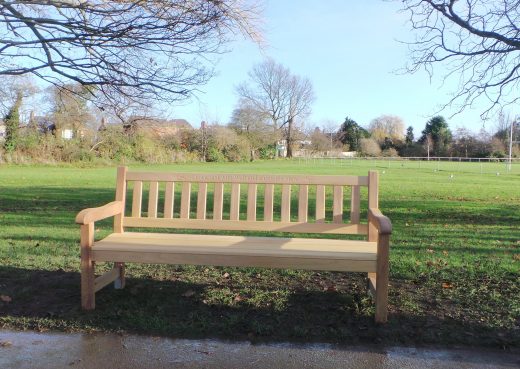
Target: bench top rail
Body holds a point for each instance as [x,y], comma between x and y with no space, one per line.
[248,178]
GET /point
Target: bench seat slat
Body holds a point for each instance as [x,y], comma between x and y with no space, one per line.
[323,254]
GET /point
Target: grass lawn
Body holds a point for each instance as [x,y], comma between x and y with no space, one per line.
[455,265]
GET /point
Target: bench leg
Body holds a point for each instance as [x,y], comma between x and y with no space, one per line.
[88,301]
[381,288]
[120,282]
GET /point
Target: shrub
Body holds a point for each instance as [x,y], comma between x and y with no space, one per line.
[215,155]
[390,152]
[267,152]
[369,147]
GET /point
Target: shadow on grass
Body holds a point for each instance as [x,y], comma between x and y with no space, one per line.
[50,300]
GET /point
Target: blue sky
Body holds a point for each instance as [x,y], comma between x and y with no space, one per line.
[350,52]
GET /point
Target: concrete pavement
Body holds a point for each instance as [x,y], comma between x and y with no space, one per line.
[28,350]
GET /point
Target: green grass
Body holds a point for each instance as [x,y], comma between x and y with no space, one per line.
[455,265]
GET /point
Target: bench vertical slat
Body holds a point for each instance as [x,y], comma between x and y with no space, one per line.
[337,208]
[234,210]
[268,202]
[201,200]
[153,196]
[251,201]
[185,200]
[137,199]
[286,203]
[320,204]
[120,196]
[354,205]
[168,200]
[218,201]
[303,203]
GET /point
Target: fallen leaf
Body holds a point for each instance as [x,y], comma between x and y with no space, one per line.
[329,288]
[5,298]
[447,285]
[226,275]
[188,293]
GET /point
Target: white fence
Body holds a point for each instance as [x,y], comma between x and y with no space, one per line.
[495,166]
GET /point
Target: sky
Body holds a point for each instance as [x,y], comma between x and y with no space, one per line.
[351,52]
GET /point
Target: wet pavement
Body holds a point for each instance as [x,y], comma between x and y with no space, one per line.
[29,350]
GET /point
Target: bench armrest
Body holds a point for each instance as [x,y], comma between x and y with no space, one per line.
[91,215]
[382,223]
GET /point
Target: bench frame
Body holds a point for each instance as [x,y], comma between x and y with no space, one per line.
[377,230]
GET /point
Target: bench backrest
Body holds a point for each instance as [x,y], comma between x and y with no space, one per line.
[256,202]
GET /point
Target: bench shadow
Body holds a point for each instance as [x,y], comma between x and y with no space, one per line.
[179,309]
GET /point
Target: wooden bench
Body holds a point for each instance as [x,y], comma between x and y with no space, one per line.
[370,255]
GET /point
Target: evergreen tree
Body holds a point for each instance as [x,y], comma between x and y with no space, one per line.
[409,136]
[437,129]
[12,124]
[351,133]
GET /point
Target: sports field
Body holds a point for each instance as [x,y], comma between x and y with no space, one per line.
[455,265]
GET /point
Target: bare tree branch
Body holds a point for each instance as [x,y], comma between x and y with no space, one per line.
[140,49]
[476,41]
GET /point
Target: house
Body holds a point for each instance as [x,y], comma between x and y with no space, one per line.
[2,131]
[156,127]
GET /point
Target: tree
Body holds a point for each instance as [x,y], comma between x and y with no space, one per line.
[70,108]
[387,126]
[12,94]
[437,132]
[476,41]
[350,133]
[254,125]
[153,49]
[409,136]
[12,124]
[465,144]
[320,141]
[285,97]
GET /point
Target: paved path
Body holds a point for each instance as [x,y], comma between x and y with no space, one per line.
[27,350]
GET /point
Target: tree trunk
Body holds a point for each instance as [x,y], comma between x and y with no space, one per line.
[289,138]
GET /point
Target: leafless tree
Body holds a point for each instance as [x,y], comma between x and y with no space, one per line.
[478,41]
[254,125]
[283,96]
[140,49]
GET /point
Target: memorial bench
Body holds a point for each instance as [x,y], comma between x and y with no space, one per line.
[245,210]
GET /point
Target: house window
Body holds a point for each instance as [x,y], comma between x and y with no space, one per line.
[66,134]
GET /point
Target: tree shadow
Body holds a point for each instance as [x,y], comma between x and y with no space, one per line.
[174,308]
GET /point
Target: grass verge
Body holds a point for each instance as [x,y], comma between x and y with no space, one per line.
[455,266]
